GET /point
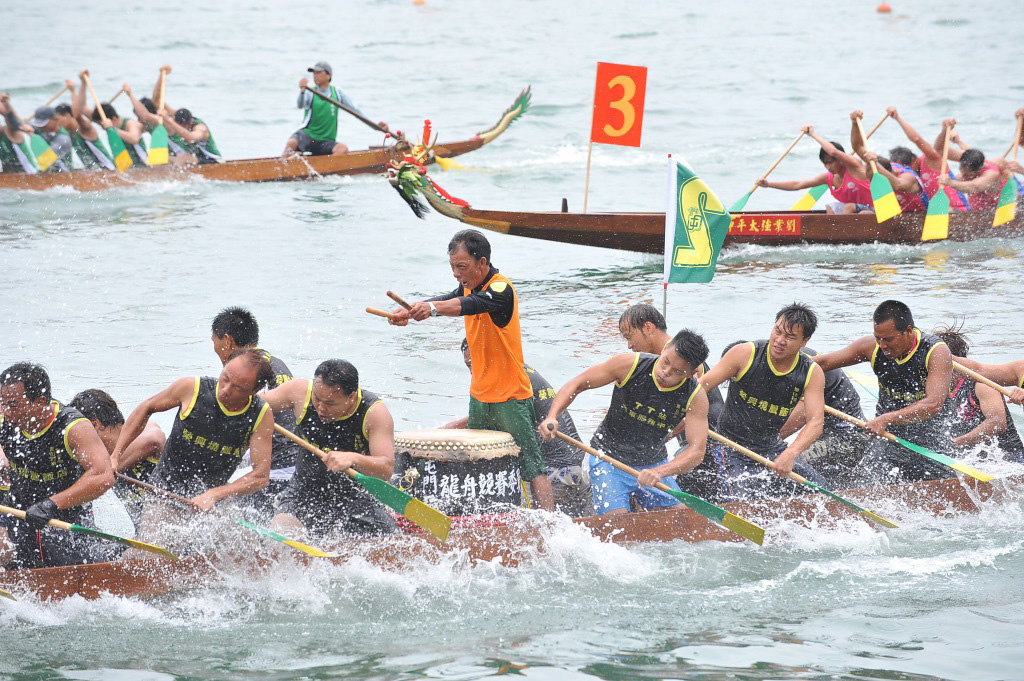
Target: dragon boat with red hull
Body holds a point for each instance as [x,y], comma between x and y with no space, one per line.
[512,543]
[274,169]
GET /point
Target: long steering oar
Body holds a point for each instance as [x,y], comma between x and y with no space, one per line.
[297,545]
[981,379]
[427,517]
[347,110]
[715,514]
[796,477]
[1006,209]
[60,524]
[742,201]
[917,449]
[808,200]
[121,158]
[883,197]
[936,220]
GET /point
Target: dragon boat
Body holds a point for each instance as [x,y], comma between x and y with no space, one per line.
[510,541]
[274,169]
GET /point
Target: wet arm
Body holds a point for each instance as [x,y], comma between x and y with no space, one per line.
[856,352]
[254,480]
[97,476]
[174,396]
[612,370]
[728,367]
[992,407]
[695,425]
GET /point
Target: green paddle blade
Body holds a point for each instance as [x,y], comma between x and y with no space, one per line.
[808,200]
[1007,207]
[867,381]
[936,222]
[45,156]
[945,460]
[870,515]
[152,548]
[430,519]
[719,515]
[7,594]
[884,198]
[117,149]
[740,203]
[158,146]
[297,545]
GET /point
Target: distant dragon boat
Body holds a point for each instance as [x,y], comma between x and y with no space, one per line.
[274,169]
[510,543]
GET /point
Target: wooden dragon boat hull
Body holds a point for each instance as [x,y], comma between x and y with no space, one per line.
[275,169]
[511,544]
[645,232]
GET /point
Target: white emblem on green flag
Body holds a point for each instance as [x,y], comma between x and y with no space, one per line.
[696,223]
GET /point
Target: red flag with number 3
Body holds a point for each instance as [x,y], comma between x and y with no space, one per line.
[619,104]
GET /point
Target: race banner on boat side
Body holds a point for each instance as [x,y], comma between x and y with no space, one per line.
[696,223]
[757,225]
[618,104]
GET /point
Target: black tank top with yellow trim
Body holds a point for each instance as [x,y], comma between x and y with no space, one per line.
[207,441]
[641,414]
[761,398]
[966,415]
[320,485]
[43,464]
[901,382]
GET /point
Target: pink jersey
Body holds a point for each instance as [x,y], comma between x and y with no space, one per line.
[850,189]
[930,181]
[911,202]
[989,199]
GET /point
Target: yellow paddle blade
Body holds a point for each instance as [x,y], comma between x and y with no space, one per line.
[430,519]
[877,518]
[123,161]
[307,549]
[1006,209]
[7,594]
[447,163]
[744,528]
[935,227]
[884,199]
[973,472]
[152,548]
[1004,214]
[158,156]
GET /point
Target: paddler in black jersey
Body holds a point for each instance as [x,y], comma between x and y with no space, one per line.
[645,330]
[217,420]
[654,397]
[1009,374]
[356,430]
[139,458]
[232,329]
[58,465]
[978,415]
[767,379]
[914,370]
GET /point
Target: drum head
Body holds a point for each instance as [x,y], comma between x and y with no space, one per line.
[452,444]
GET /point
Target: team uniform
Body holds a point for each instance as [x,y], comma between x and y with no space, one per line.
[319,131]
[327,502]
[850,190]
[93,155]
[16,158]
[640,415]
[759,400]
[205,152]
[43,465]
[915,201]
[137,152]
[966,415]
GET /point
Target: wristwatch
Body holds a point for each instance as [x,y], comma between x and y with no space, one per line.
[433,310]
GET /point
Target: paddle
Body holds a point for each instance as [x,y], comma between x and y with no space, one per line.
[111,100]
[981,379]
[917,449]
[381,313]
[398,299]
[1006,209]
[715,514]
[59,93]
[738,206]
[60,524]
[7,594]
[936,221]
[867,381]
[297,545]
[808,200]
[158,154]
[427,517]
[347,110]
[796,477]
[883,197]
[121,158]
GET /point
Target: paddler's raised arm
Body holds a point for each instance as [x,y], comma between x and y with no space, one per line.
[289,395]
[940,141]
[915,137]
[857,143]
[178,394]
[847,160]
[617,369]
[856,352]
[733,364]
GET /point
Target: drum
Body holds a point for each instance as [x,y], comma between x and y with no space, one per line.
[460,472]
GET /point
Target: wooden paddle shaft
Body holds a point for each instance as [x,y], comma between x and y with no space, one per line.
[381,313]
[779,159]
[308,446]
[156,490]
[398,299]
[860,127]
[607,459]
[981,379]
[347,110]
[111,100]
[856,421]
[99,105]
[796,477]
[18,513]
[874,129]
[59,93]
[945,153]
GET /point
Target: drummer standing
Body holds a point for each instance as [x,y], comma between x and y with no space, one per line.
[501,397]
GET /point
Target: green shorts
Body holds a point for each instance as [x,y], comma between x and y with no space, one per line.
[517,418]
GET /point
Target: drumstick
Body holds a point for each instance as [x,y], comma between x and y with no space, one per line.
[398,299]
[382,313]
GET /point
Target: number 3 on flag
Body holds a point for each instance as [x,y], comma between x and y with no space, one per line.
[619,104]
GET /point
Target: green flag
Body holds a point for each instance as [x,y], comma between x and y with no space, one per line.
[695,227]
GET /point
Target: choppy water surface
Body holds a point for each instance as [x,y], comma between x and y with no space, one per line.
[117,290]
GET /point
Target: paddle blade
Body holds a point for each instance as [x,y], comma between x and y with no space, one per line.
[870,515]
[945,460]
[142,546]
[297,545]
[427,517]
[45,156]
[1007,207]
[883,197]
[117,149]
[158,146]
[7,594]
[730,521]
[808,200]
[447,163]
[936,222]
[740,203]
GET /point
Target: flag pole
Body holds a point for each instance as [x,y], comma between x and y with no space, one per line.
[586,183]
[668,249]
